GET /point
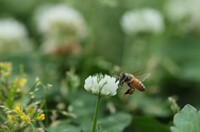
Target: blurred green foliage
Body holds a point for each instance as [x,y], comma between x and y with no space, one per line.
[172,58]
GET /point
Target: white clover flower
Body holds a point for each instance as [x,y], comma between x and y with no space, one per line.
[13,36]
[142,21]
[12,29]
[185,13]
[103,85]
[60,20]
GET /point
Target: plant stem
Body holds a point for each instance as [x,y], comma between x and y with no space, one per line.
[96,113]
[33,128]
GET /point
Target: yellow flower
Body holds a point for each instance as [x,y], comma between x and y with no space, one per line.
[23,82]
[25,118]
[5,69]
[18,110]
[20,82]
[41,117]
[10,118]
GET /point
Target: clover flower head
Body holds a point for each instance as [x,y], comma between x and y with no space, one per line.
[13,36]
[184,13]
[59,20]
[62,27]
[142,21]
[101,85]
[11,29]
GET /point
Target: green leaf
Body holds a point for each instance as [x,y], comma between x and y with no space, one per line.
[187,120]
[115,123]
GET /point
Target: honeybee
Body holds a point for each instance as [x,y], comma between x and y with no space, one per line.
[134,82]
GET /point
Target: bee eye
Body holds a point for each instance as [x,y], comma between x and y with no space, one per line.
[123,75]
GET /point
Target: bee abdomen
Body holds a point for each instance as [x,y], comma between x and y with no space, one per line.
[135,83]
[141,87]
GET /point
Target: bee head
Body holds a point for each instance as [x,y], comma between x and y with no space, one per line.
[122,78]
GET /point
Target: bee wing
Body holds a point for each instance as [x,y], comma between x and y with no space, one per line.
[143,76]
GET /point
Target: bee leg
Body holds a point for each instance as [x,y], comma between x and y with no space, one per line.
[130,91]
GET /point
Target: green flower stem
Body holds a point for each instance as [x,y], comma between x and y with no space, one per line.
[33,128]
[96,113]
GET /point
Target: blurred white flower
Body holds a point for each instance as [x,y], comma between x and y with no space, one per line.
[61,20]
[101,84]
[185,13]
[13,36]
[142,21]
[12,29]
